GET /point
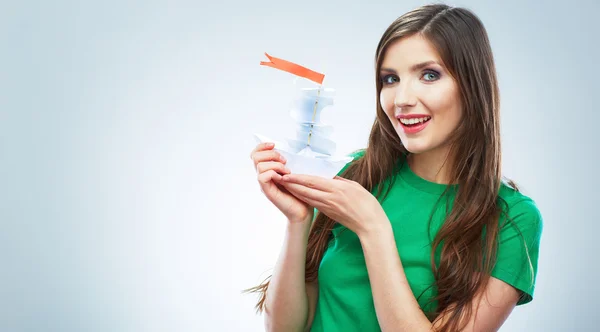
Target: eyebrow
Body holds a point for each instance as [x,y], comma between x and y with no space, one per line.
[413,67]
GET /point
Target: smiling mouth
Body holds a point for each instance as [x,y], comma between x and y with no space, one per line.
[414,121]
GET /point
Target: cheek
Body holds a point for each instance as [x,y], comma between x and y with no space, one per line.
[444,103]
[386,99]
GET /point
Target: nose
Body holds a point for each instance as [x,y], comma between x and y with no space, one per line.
[404,97]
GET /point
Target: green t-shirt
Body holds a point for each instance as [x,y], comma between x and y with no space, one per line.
[345,300]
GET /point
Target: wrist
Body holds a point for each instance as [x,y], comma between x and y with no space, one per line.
[295,227]
[376,230]
[307,219]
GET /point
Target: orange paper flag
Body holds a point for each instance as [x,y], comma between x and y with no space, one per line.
[293,68]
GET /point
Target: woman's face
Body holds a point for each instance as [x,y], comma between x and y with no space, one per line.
[418,94]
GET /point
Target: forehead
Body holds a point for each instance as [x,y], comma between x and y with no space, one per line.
[407,51]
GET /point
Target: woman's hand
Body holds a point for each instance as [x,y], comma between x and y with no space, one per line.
[343,200]
[270,166]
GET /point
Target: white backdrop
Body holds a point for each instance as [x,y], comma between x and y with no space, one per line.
[129,202]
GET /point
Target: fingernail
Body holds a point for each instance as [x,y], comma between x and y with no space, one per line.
[282,158]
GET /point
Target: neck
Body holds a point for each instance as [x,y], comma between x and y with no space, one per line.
[433,166]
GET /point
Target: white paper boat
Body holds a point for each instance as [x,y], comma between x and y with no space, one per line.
[311,151]
[307,161]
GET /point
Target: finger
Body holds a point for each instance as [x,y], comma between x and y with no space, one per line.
[319,205]
[304,192]
[343,179]
[261,147]
[271,155]
[316,204]
[265,177]
[310,181]
[268,165]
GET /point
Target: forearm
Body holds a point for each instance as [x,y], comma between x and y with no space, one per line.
[286,305]
[395,305]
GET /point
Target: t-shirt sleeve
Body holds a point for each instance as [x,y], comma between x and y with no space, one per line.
[518,248]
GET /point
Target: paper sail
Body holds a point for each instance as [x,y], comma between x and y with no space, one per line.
[311,151]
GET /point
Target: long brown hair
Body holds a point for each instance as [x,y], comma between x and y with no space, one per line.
[467,241]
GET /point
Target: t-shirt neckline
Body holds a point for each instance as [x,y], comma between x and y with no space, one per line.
[420,183]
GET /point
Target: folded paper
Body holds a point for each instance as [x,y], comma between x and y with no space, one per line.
[311,151]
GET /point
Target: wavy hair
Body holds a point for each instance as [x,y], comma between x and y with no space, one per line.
[468,239]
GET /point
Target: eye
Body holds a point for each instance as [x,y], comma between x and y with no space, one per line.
[389,79]
[431,75]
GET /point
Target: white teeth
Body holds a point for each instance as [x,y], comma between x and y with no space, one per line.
[414,120]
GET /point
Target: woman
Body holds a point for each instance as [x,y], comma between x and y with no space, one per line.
[419,232]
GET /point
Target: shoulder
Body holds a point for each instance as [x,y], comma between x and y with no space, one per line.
[520,209]
[356,155]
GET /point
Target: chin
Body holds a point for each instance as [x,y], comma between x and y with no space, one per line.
[416,151]
[415,147]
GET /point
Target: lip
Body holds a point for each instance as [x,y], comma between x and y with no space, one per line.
[411,116]
[413,129]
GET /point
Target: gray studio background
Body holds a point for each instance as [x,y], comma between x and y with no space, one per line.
[128,201]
